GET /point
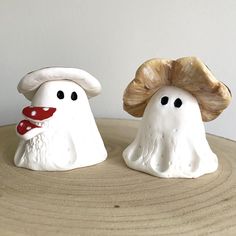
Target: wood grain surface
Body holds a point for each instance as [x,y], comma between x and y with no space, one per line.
[110,199]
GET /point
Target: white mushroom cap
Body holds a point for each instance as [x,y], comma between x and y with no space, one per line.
[33,80]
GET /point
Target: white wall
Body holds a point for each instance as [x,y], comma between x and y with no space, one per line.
[110,39]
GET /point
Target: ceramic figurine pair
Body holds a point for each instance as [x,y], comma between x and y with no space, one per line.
[173,97]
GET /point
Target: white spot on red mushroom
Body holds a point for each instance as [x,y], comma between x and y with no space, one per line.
[28,128]
[33,113]
[45,108]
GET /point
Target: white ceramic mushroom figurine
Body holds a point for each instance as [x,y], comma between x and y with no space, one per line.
[173,97]
[59,131]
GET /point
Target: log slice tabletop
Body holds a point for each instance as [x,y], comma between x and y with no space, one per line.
[111,199]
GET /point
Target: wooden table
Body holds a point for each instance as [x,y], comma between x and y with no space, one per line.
[110,199]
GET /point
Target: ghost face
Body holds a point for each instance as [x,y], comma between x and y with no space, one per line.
[171,141]
[60,94]
[58,130]
[66,97]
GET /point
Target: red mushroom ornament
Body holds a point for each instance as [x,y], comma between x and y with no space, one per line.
[34,117]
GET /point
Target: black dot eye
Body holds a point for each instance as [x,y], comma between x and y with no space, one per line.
[178,103]
[60,94]
[164,100]
[74,96]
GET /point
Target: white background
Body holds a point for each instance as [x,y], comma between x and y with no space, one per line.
[110,39]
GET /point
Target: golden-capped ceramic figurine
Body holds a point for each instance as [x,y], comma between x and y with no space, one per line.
[173,97]
[59,131]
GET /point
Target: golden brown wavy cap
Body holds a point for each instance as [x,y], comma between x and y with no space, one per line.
[188,73]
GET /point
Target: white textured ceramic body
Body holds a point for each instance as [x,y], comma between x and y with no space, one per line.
[69,139]
[171,141]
